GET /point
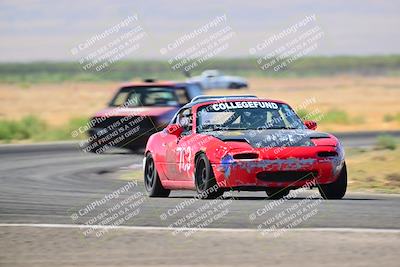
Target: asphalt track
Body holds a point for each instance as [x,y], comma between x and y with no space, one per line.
[48,184]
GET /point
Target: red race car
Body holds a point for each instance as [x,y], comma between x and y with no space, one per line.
[216,144]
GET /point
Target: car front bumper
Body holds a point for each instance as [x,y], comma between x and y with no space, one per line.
[132,138]
[289,171]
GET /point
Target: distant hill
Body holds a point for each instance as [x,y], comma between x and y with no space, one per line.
[127,70]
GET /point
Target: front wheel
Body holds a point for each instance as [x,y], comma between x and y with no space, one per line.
[152,181]
[337,189]
[206,185]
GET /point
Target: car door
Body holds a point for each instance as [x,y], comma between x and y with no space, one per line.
[164,153]
[178,149]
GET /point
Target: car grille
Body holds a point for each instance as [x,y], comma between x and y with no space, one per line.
[286,176]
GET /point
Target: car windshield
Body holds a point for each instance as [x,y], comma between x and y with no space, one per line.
[247,115]
[150,96]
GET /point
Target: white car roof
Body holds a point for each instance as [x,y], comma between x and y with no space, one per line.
[213,72]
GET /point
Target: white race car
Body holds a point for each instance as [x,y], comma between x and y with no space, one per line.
[215,79]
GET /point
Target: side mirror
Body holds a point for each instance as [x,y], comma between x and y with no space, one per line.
[174,129]
[312,125]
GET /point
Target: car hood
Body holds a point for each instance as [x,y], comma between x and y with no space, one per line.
[275,138]
[137,111]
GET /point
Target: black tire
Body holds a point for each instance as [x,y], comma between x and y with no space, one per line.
[152,181]
[337,189]
[277,193]
[135,149]
[206,186]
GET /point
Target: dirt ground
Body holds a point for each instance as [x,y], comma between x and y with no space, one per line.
[367,98]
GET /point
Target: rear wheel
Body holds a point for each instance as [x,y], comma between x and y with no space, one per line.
[135,149]
[205,182]
[152,181]
[277,193]
[337,189]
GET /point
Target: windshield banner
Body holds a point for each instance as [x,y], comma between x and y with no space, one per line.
[244,104]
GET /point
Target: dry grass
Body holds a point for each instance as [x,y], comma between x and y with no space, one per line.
[360,97]
[367,98]
[54,103]
[374,170]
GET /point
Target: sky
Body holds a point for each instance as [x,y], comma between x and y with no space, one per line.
[48,30]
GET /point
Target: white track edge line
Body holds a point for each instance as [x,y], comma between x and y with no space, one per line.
[156,228]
